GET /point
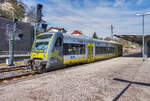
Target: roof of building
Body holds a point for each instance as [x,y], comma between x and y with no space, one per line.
[137,38]
[76,32]
[56,28]
[60,29]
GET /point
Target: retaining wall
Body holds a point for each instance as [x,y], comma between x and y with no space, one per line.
[22,46]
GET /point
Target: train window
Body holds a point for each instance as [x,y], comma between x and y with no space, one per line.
[40,47]
[104,50]
[46,36]
[97,51]
[112,50]
[73,49]
[58,42]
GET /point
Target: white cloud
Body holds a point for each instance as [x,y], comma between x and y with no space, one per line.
[30,2]
[139,2]
[89,19]
[119,3]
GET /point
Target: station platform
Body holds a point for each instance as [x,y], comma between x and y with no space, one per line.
[118,79]
[17,57]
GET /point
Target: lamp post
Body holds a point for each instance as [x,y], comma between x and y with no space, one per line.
[143,50]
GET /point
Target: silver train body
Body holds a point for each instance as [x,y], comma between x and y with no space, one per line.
[54,50]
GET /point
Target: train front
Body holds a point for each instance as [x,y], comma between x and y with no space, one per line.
[39,53]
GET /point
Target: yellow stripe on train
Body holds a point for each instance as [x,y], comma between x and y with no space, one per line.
[106,56]
[71,61]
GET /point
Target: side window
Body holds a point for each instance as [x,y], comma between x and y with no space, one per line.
[73,49]
[58,42]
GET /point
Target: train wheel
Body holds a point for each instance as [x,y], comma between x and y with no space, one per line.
[41,70]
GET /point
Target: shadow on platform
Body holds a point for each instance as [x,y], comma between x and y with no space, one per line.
[126,88]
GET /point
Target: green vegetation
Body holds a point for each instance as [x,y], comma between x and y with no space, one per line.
[31,12]
[17,8]
[127,44]
[95,36]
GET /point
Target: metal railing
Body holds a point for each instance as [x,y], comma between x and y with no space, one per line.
[15,52]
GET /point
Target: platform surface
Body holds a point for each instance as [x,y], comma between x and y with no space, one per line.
[120,79]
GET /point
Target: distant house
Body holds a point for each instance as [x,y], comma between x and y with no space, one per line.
[76,32]
[54,29]
[28,19]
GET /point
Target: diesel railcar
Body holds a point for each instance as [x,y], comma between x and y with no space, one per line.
[52,50]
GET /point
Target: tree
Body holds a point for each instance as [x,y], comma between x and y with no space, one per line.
[19,9]
[95,36]
[107,38]
[16,7]
[4,14]
[100,38]
[31,12]
[1,1]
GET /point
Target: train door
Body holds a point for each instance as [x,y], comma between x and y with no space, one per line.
[119,50]
[116,50]
[90,52]
[56,56]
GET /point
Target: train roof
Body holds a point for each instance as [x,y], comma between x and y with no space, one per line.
[89,38]
[107,41]
[82,37]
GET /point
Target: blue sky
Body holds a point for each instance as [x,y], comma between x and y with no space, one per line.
[91,16]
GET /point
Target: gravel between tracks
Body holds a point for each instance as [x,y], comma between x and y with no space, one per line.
[88,82]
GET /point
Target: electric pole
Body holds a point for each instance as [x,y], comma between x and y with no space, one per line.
[111,26]
[38,19]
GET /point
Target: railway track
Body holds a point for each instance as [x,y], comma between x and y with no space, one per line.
[14,73]
[8,69]
[17,72]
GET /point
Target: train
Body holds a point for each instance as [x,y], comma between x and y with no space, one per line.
[53,50]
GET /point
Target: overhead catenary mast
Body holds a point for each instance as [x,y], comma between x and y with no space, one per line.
[111,26]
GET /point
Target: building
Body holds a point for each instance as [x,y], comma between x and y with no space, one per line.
[136,38]
[55,29]
[22,46]
[29,20]
[76,32]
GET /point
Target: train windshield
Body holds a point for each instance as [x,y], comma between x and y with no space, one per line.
[46,36]
[40,47]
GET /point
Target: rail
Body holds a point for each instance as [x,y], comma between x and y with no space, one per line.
[15,73]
